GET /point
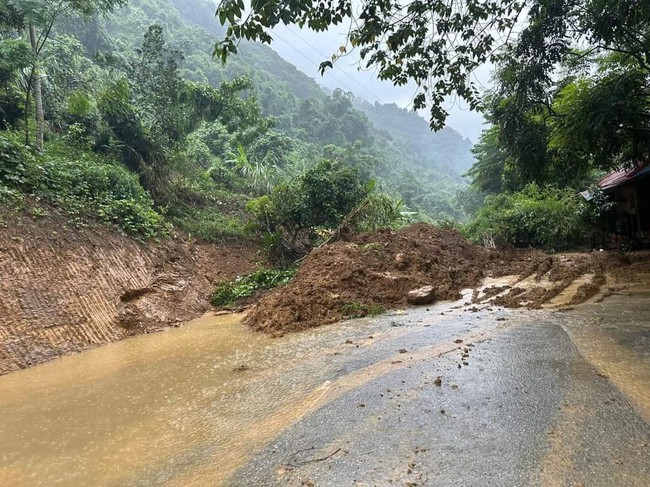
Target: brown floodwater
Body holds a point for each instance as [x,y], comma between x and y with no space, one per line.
[191,405]
[177,407]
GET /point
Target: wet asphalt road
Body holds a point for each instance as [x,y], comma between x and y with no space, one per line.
[452,394]
[518,402]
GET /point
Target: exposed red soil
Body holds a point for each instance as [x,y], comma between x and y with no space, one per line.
[373,269]
[64,289]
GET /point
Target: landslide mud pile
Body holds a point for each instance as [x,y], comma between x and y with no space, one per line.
[376,271]
[372,271]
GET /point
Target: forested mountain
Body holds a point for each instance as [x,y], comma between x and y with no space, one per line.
[120,111]
[399,142]
[445,149]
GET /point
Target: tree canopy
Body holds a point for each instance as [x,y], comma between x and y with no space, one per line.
[439,43]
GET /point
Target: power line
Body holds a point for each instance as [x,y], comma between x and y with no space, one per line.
[311,61]
[340,70]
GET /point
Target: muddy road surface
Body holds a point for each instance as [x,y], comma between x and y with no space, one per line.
[444,395]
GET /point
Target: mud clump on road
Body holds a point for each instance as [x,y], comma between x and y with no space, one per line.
[372,272]
[376,271]
[560,280]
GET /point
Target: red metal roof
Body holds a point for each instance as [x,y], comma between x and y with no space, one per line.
[623,176]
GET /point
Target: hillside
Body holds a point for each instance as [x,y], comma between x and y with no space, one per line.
[446,150]
[399,141]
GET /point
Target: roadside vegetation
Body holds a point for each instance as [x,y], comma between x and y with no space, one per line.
[116,111]
[227,293]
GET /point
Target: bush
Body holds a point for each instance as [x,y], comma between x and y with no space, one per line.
[227,293]
[81,184]
[379,210]
[544,217]
[14,159]
[321,197]
[329,191]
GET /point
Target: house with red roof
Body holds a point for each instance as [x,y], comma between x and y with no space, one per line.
[629,189]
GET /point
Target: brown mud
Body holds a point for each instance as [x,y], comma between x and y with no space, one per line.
[65,289]
[376,271]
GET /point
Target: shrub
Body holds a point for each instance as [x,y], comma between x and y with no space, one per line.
[329,191]
[320,198]
[14,159]
[81,184]
[228,292]
[544,217]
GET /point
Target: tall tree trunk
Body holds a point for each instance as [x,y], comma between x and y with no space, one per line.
[28,94]
[38,92]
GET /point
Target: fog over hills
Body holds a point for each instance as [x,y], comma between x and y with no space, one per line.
[305,49]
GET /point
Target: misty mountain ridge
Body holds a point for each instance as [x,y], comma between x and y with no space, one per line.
[425,168]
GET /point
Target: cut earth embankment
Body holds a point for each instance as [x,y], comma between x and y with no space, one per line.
[64,289]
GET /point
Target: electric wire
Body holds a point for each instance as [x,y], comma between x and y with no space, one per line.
[311,61]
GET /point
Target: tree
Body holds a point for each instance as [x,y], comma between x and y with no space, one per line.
[438,43]
[15,55]
[435,43]
[604,119]
[330,191]
[37,18]
[321,197]
[156,86]
[487,173]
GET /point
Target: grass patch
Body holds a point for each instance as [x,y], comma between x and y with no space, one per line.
[209,224]
[227,293]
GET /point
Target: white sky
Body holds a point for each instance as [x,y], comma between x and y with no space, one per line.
[306,50]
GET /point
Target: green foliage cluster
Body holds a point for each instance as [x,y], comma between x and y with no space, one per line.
[329,194]
[545,217]
[394,38]
[14,55]
[571,96]
[443,41]
[197,139]
[292,212]
[81,184]
[571,101]
[228,293]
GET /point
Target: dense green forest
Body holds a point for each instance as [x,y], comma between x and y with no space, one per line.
[140,127]
[570,98]
[118,110]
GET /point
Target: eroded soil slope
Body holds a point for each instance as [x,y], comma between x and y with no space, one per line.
[375,271]
[67,289]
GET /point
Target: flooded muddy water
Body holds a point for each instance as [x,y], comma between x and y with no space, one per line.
[152,408]
[191,405]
